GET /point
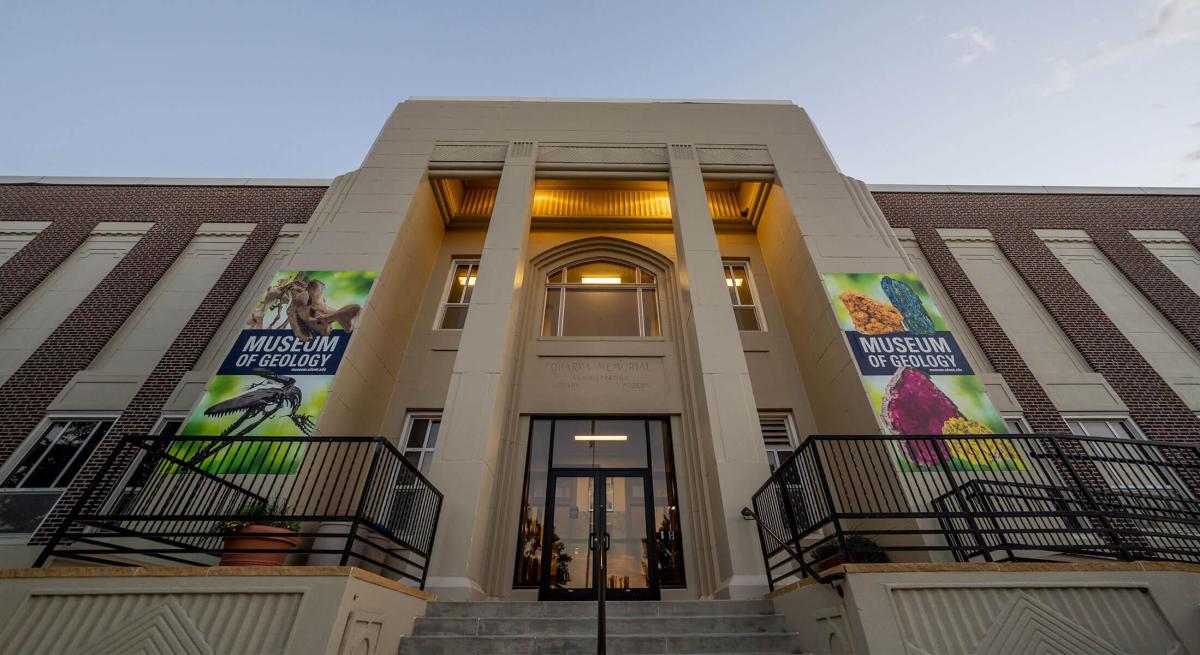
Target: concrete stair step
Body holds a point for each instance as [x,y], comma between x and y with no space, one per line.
[534,609]
[581,626]
[738,643]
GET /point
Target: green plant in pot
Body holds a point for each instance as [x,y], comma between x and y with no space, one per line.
[861,550]
[256,527]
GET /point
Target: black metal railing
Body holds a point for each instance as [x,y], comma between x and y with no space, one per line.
[166,500]
[977,497]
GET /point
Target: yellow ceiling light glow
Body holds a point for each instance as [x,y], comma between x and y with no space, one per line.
[601,437]
[466,281]
[601,280]
[730,282]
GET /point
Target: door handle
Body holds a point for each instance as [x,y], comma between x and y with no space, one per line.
[592,541]
[606,541]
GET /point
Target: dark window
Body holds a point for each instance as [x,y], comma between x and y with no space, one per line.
[463,275]
[741,293]
[778,437]
[420,441]
[31,488]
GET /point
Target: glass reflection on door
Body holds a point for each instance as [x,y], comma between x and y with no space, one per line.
[569,552]
[625,499]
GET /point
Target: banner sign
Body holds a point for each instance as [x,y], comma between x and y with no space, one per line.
[275,379]
[915,373]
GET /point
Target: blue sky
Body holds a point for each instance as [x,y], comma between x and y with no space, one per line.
[1095,92]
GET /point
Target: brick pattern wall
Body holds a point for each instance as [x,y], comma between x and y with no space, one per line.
[1173,298]
[1012,219]
[146,406]
[1038,409]
[80,337]
[21,274]
[176,212]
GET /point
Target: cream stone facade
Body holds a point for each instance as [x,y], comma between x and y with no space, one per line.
[490,377]
[615,306]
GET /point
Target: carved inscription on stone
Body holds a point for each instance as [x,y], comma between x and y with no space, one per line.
[604,374]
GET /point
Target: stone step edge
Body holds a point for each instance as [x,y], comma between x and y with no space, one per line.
[671,617]
[633,635]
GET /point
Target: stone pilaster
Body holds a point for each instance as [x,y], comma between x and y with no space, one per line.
[727,415]
[480,387]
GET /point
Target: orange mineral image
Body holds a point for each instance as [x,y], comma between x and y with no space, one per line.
[871,316]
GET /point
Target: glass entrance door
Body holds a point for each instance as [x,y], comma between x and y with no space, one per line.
[590,510]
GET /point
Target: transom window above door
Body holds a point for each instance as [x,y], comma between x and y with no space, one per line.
[601,298]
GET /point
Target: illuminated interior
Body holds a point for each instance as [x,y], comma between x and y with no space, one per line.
[644,204]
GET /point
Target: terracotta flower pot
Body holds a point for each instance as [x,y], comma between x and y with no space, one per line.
[259,536]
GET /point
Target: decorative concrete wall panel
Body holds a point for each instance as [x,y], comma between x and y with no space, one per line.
[1072,620]
[184,623]
[197,611]
[551,153]
[1163,347]
[31,321]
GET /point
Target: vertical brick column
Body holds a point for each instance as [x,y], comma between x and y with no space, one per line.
[1170,296]
[1152,403]
[21,274]
[185,351]
[81,336]
[1036,405]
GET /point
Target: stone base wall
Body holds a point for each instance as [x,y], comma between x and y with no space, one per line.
[317,610]
[954,609]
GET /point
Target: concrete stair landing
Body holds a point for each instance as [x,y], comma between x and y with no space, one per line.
[531,628]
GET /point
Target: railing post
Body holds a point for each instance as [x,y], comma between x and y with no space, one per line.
[834,515]
[437,516]
[762,542]
[1089,499]
[787,509]
[78,507]
[364,492]
[974,527]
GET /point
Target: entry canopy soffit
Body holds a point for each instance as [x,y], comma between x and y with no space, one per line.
[604,204]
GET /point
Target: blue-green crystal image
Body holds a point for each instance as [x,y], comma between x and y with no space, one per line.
[916,319]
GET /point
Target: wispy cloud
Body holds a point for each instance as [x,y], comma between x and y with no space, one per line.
[1175,21]
[977,44]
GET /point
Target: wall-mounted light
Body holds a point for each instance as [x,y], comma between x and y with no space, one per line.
[601,280]
[601,437]
[730,282]
[466,281]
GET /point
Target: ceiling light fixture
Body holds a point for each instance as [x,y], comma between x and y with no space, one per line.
[601,280]
[601,437]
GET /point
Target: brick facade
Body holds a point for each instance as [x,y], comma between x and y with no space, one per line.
[146,406]
[176,212]
[1012,219]
[1039,411]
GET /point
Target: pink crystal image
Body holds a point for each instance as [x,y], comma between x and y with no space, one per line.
[925,452]
[912,404]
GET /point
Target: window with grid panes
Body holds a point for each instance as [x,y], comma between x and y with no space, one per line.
[741,293]
[1119,471]
[420,441]
[1151,490]
[779,437]
[601,298]
[1016,425]
[463,274]
[30,489]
